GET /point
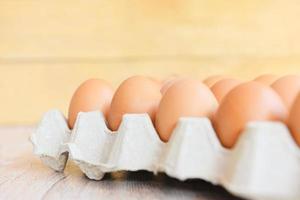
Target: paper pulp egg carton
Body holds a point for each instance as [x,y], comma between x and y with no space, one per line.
[264,164]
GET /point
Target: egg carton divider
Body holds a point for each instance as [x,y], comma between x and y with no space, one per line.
[264,164]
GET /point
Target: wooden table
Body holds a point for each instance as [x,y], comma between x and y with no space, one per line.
[23,176]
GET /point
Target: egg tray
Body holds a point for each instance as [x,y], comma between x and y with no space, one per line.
[264,164]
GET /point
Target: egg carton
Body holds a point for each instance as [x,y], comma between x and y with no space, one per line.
[264,164]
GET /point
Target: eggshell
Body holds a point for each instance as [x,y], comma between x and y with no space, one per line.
[92,95]
[168,83]
[288,88]
[170,78]
[266,79]
[247,102]
[222,87]
[185,98]
[137,94]
[294,120]
[211,80]
[158,81]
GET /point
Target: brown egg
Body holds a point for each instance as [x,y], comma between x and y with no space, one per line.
[168,83]
[294,120]
[266,79]
[288,88]
[211,80]
[222,87]
[136,94]
[246,102]
[93,94]
[156,80]
[185,98]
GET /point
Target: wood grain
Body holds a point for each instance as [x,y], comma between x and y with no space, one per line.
[75,29]
[47,48]
[23,176]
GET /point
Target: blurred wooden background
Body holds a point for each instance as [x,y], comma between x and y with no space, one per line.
[48,47]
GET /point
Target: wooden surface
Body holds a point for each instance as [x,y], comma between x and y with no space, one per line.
[64,30]
[47,48]
[23,176]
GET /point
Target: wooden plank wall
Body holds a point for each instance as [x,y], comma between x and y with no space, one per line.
[48,47]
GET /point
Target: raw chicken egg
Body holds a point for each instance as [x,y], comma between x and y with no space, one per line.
[158,81]
[294,120]
[168,83]
[211,80]
[288,88]
[93,94]
[137,94]
[222,87]
[266,79]
[185,98]
[246,102]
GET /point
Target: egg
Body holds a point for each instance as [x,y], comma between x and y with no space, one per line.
[211,80]
[168,83]
[288,88]
[93,94]
[185,98]
[222,87]
[266,79]
[246,102]
[136,94]
[158,81]
[293,121]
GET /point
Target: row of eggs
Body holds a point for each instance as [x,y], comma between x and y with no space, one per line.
[229,103]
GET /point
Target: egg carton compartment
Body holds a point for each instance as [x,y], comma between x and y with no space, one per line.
[264,164]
